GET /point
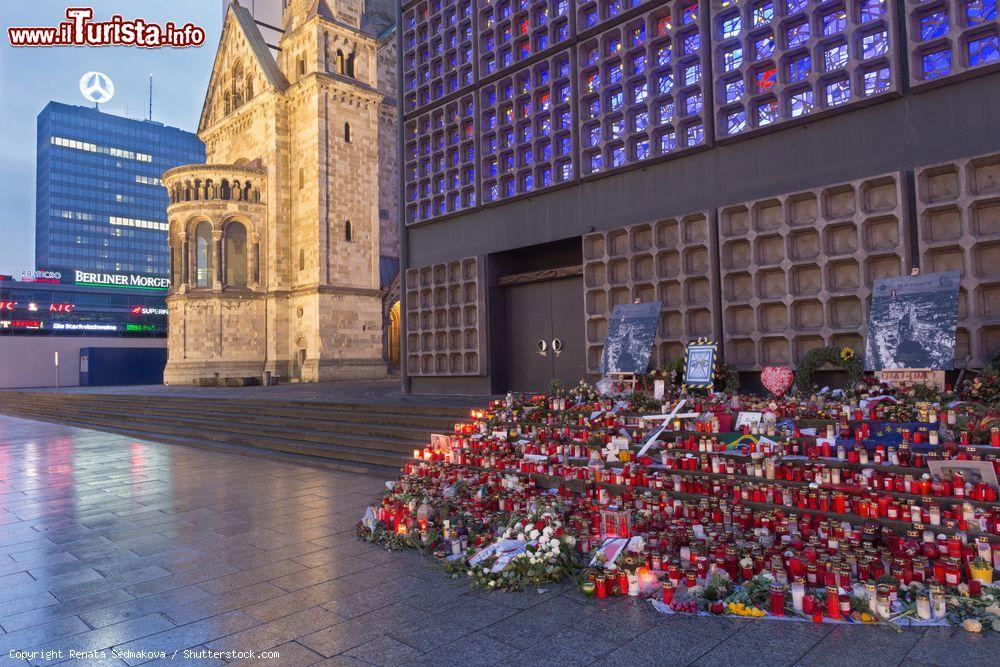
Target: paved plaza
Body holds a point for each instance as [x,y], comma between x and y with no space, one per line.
[147,548]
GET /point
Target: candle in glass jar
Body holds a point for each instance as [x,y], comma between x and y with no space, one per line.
[777,600]
[798,594]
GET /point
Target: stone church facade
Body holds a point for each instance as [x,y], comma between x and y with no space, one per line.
[275,242]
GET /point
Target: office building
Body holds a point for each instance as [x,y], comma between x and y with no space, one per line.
[754,166]
[99,204]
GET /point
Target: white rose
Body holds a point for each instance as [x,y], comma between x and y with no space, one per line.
[533,535]
[569,540]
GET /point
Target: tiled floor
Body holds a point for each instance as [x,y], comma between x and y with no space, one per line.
[107,542]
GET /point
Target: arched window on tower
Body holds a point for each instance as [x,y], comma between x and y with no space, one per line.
[203,254]
[302,66]
[350,66]
[326,52]
[347,132]
[237,85]
[236,255]
[340,62]
[249,87]
[348,232]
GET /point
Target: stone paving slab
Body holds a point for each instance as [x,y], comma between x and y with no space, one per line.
[107,542]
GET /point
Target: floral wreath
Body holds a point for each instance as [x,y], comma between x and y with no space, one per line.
[844,358]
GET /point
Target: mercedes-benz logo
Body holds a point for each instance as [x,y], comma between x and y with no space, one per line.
[97,87]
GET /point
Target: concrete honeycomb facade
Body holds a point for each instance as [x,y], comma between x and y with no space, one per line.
[276,239]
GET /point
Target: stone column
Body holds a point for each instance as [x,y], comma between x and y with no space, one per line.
[217,243]
[255,262]
[185,260]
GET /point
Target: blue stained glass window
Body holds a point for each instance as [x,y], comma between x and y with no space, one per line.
[615,100]
[565,118]
[692,42]
[665,112]
[731,26]
[692,104]
[838,92]
[546,149]
[642,149]
[544,127]
[872,10]
[616,128]
[765,79]
[508,138]
[795,6]
[801,103]
[508,188]
[527,156]
[590,18]
[594,108]
[527,183]
[799,69]
[637,35]
[542,74]
[736,121]
[668,141]
[562,32]
[563,92]
[980,11]
[695,134]
[663,55]
[618,156]
[834,22]
[640,91]
[562,7]
[596,162]
[489,45]
[565,145]
[690,14]
[614,46]
[614,8]
[563,68]
[508,163]
[525,134]
[763,14]
[639,64]
[835,57]
[566,171]
[798,34]
[546,174]
[984,50]
[763,47]
[692,74]
[732,59]
[594,135]
[592,56]
[933,25]
[734,90]
[767,113]
[936,64]
[665,82]
[491,167]
[615,73]
[640,121]
[491,145]
[491,120]
[493,193]
[874,45]
[877,81]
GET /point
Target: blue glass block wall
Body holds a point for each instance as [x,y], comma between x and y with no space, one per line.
[642,88]
[777,60]
[597,13]
[526,125]
[951,38]
[439,155]
[437,54]
[511,31]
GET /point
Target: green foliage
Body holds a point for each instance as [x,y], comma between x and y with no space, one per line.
[818,357]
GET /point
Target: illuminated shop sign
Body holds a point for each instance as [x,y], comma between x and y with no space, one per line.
[83,326]
[33,307]
[141,328]
[41,276]
[21,324]
[142,310]
[61,308]
[8,305]
[121,280]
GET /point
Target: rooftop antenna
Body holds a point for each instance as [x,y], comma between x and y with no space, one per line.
[150,96]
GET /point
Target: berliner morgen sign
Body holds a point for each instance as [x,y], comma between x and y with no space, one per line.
[121,280]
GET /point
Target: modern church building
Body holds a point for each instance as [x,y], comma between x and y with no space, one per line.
[754,166]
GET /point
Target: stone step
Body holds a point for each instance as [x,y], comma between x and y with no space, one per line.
[156,429]
[365,426]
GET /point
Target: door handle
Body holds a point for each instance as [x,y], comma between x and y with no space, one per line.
[543,348]
[557,346]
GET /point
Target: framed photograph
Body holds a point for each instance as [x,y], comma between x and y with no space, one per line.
[699,364]
[630,338]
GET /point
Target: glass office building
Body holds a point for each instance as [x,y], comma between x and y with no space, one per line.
[99,203]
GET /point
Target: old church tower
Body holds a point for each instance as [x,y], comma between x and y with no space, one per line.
[275,241]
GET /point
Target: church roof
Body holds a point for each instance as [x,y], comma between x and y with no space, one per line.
[259,46]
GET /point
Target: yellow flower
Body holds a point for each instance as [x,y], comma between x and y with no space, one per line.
[972,625]
[847,353]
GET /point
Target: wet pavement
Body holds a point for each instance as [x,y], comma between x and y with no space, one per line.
[200,557]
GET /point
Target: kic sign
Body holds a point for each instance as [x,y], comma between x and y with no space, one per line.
[97,87]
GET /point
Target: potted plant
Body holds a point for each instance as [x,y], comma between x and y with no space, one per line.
[981,569]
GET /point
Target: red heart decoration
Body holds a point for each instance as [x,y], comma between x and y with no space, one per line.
[777,379]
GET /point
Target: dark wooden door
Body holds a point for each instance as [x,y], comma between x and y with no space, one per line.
[541,317]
